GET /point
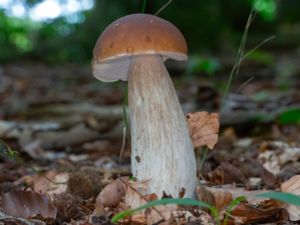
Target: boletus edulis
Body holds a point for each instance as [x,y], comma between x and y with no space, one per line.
[134,48]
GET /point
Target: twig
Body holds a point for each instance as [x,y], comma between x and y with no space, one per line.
[163,7]
[257,47]
[243,85]
[236,66]
[241,56]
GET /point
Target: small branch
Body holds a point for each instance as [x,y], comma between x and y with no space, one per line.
[163,7]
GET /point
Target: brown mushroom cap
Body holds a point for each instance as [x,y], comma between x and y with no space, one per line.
[136,34]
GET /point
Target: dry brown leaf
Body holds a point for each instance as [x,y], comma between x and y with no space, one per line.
[28,204]
[112,193]
[204,195]
[134,197]
[110,196]
[273,155]
[170,214]
[159,213]
[218,197]
[240,191]
[173,214]
[51,182]
[292,186]
[252,168]
[226,173]
[268,211]
[138,219]
[204,128]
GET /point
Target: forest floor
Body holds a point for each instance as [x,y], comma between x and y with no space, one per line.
[61,135]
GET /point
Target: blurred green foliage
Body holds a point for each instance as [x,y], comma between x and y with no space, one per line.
[261,96]
[266,8]
[14,39]
[261,57]
[207,25]
[290,116]
[199,64]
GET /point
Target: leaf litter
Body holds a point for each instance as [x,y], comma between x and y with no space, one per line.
[69,141]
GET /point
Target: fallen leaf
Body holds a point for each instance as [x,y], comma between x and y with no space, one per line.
[268,211]
[160,213]
[28,204]
[204,128]
[134,197]
[219,198]
[172,214]
[51,182]
[239,191]
[252,168]
[226,173]
[289,170]
[112,193]
[292,186]
[204,195]
[275,154]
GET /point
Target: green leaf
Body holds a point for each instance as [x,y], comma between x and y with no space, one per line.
[290,116]
[282,196]
[178,201]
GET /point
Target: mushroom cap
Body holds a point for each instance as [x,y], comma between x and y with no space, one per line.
[136,34]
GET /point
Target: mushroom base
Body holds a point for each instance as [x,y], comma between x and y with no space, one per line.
[161,149]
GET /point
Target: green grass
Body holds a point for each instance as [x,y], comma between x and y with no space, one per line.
[181,201]
[241,56]
[282,196]
[166,201]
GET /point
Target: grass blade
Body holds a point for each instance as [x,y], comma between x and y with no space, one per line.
[282,196]
[178,201]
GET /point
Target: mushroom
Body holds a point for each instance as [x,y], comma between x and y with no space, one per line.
[134,48]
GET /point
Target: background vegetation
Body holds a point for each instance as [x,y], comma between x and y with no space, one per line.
[209,26]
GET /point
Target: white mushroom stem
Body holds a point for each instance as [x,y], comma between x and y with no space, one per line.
[162,151]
